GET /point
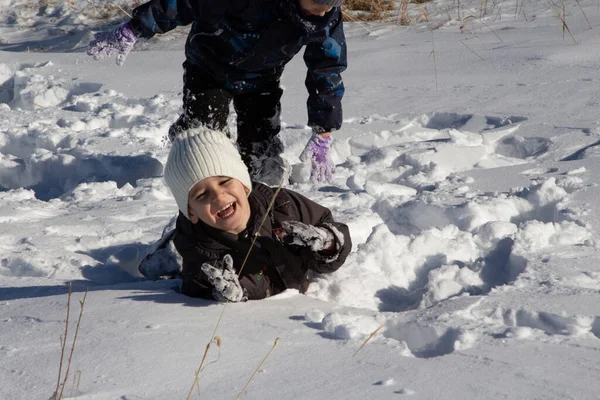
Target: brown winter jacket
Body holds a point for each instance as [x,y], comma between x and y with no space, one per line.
[271,267]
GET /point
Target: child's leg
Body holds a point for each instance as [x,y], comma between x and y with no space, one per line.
[204,103]
[258,123]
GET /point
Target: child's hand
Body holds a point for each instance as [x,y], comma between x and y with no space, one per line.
[226,284]
[299,234]
[119,41]
[317,151]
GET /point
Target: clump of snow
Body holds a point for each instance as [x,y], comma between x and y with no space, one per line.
[577,171]
[536,235]
[448,281]
[33,91]
[405,391]
[97,191]
[315,316]
[348,326]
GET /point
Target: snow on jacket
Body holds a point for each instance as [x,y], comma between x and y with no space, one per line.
[271,267]
[245,44]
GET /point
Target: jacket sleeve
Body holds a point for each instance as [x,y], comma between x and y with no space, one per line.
[315,214]
[194,280]
[326,59]
[161,16]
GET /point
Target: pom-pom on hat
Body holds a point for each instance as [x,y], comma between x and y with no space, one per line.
[201,153]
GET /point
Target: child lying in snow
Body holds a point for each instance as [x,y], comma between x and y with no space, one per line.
[221,211]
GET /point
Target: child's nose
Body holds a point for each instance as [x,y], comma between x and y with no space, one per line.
[219,194]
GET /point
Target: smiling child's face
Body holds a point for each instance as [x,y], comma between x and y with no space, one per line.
[220,202]
[311,8]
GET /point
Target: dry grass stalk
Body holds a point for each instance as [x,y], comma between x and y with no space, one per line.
[102,12]
[349,16]
[260,226]
[124,12]
[473,17]
[216,338]
[486,9]
[257,368]
[82,304]
[370,10]
[63,342]
[369,338]
[499,13]
[93,6]
[339,372]
[586,18]
[357,5]
[76,380]
[564,17]
[471,50]
[423,13]
[565,27]
[434,63]
[491,30]
[404,18]
[217,341]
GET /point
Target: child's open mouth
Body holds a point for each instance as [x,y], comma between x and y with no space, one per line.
[227,211]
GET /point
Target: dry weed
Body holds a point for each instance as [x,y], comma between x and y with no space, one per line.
[62,382]
[378,10]
[369,10]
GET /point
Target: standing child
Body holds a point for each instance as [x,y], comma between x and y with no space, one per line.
[236,51]
[222,211]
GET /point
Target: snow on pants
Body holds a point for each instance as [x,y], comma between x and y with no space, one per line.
[206,103]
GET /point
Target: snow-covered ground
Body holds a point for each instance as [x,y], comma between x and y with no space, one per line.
[468,170]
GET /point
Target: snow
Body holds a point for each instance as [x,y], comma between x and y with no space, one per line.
[469,185]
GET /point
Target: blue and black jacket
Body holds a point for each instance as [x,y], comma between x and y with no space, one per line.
[245,44]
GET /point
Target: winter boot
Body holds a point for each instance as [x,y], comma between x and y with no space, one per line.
[162,260]
[265,163]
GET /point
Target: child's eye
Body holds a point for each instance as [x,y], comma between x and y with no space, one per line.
[201,196]
[226,181]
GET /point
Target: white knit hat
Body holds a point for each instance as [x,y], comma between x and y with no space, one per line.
[201,153]
[332,3]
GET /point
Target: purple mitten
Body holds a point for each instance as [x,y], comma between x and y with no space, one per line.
[317,151]
[118,41]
